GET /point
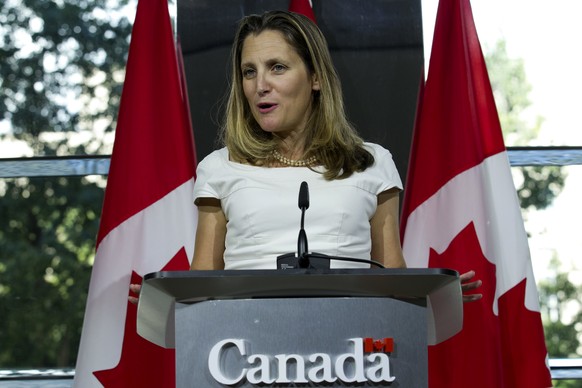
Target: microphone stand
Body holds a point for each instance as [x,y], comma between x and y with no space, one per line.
[302,246]
[304,259]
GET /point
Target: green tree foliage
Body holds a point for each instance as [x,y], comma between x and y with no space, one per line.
[48,237]
[539,184]
[61,72]
[60,67]
[561,311]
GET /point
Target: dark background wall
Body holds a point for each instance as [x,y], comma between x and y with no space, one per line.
[376,46]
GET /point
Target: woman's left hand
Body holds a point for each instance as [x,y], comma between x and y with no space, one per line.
[467,285]
[135,288]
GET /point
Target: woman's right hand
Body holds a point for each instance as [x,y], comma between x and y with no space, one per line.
[134,288]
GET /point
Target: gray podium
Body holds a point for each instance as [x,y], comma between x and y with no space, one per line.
[301,327]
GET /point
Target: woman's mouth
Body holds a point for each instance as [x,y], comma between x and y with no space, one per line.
[266,107]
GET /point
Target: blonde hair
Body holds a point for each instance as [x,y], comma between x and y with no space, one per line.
[329,136]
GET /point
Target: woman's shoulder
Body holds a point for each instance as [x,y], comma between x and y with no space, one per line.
[215,158]
[383,174]
[377,150]
[210,167]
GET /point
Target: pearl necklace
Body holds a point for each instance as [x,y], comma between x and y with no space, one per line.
[294,163]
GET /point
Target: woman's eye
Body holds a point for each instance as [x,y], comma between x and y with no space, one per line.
[278,68]
[248,73]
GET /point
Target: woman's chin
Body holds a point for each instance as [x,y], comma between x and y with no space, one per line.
[270,128]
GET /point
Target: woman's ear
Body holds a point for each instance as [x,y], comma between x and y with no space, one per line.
[314,82]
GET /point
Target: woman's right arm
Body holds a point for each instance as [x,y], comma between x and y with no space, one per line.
[210,236]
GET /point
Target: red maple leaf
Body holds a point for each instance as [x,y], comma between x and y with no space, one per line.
[476,346]
[490,351]
[142,363]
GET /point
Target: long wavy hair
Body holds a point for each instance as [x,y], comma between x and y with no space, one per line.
[329,135]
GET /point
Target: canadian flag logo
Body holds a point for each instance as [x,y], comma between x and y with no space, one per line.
[385,345]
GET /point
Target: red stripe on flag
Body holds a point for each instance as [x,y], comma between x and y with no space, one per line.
[412,163]
[368,345]
[388,345]
[186,100]
[303,7]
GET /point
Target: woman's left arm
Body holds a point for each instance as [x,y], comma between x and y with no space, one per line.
[386,246]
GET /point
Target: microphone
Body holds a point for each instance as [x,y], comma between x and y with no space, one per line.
[303,198]
[302,249]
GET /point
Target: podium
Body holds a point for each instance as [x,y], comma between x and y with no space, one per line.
[301,327]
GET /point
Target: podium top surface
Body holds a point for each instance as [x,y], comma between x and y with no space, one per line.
[194,286]
[436,289]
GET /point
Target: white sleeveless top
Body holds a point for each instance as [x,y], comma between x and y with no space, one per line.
[263,217]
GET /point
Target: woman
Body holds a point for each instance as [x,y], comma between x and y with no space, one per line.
[285,124]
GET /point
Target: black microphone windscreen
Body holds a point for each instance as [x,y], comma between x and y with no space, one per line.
[303,196]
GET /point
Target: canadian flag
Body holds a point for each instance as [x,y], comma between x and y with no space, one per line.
[304,7]
[149,219]
[461,211]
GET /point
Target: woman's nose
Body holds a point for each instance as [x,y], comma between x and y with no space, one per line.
[263,85]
